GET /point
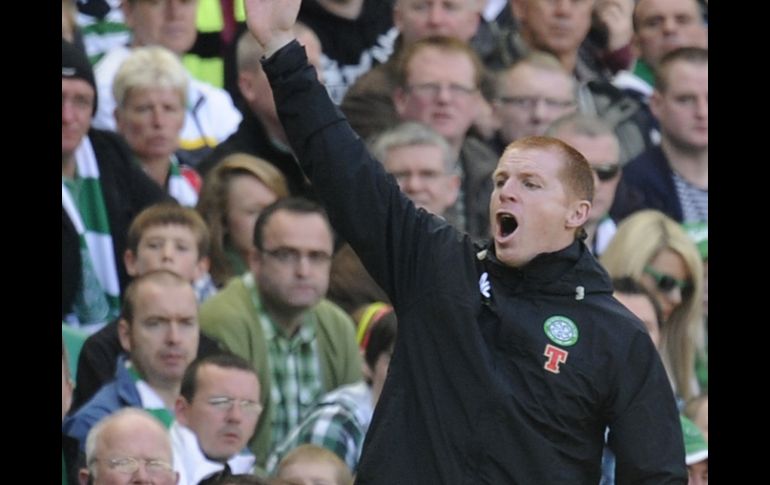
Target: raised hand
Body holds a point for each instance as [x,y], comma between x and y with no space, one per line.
[616,15]
[271,21]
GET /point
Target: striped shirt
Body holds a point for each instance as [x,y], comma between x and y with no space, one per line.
[694,200]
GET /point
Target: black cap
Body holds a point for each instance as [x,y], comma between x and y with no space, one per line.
[75,65]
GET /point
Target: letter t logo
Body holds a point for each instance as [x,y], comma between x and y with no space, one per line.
[555,356]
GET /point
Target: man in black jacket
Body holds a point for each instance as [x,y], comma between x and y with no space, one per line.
[513,357]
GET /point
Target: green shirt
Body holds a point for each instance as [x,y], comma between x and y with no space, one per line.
[232,318]
[294,368]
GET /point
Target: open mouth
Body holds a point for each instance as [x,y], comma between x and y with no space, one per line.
[507,224]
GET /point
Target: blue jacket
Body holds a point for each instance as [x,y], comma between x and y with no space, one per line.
[650,180]
[118,394]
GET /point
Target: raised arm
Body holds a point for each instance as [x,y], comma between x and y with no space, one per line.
[271,22]
[394,240]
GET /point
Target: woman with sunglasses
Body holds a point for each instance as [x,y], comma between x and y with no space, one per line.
[655,251]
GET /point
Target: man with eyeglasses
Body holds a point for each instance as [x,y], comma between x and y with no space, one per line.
[438,84]
[368,103]
[423,165]
[276,317]
[531,94]
[129,446]
[217,412]
[560,28]
[597,142]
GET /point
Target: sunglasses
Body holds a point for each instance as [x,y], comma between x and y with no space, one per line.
[666,283]
[606,172]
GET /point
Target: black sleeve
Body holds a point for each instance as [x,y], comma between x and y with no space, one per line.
[392,237]
[96,364]
[645,434]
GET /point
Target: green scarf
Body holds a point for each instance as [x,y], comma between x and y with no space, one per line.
[644,71]
[98,300]
[162,414]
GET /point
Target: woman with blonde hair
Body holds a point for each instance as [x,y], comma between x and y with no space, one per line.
[654,250]
[234,192]
[150,91]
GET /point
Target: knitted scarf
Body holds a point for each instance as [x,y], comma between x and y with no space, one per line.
[99,298]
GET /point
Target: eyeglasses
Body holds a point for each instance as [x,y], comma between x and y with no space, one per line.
[432,90]
[606,172]
[292,256]
[666,283]
[529,102]
[224,403]
[129,465]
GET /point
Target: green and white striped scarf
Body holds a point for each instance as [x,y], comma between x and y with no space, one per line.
[99,299]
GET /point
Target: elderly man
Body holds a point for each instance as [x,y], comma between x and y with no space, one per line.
[127,447]
[423,165]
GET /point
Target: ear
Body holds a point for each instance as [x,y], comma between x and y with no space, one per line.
[453,190]
[656,104]
[398,18]
[497,107]
[83,476]
[246,83]
[128,17]
[202,267]
[400,101]
[577,214]
[366,371]
[124,334]
[118,119]
[255,261]
[129,260]
[519,9]
[180,410]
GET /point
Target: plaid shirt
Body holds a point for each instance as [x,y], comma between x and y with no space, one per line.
[294,373]
[338,423]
